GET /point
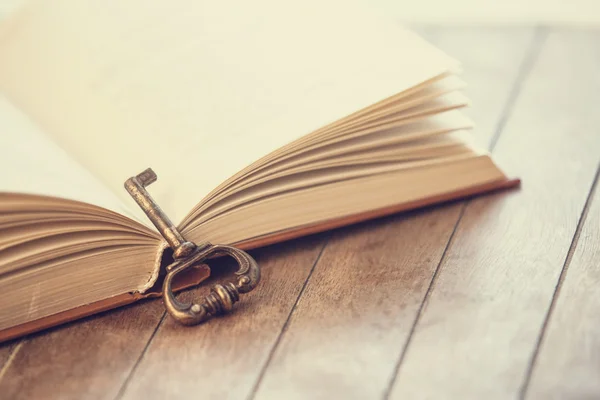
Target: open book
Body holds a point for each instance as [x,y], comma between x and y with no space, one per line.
[264,121]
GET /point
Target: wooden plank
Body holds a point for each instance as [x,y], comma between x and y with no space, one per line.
[568,363]
[223,358]
[359,305]
[88,359]
[351,324]
[479,328]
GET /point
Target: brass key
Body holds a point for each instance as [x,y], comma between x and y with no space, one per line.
[187,254]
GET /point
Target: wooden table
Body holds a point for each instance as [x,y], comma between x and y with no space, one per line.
[496,297]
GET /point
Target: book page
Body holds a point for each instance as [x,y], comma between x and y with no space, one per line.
[198,90]
[31,163]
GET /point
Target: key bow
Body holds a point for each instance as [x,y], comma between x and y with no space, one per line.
[187,254]
[222,297]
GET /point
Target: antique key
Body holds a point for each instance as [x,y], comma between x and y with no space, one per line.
[187,254]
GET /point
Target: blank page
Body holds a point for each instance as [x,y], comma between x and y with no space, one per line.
[199,89]
[31,163]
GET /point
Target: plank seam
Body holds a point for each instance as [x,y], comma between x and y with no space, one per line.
[286,324]
[123,387]
[10,359]
[539,37]
[557,288]
[422,306]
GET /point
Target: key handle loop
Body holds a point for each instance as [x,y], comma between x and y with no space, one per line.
[222,297]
